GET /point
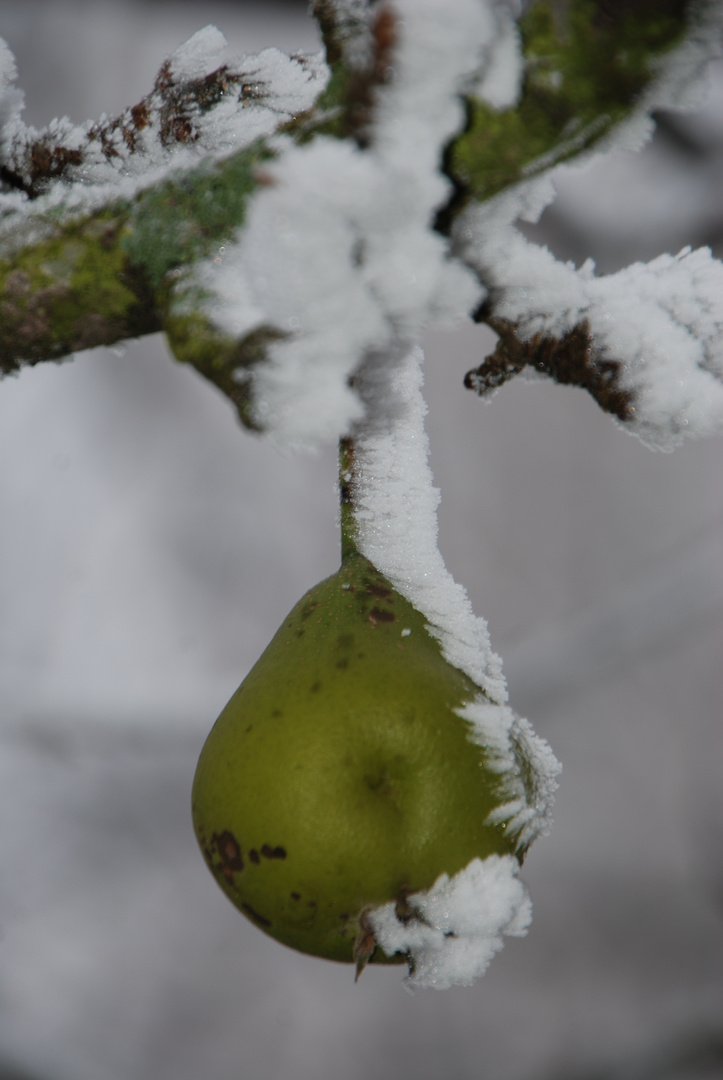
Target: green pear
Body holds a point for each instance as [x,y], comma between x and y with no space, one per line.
[339,777]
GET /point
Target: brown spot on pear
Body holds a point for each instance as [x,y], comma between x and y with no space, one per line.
[370,786]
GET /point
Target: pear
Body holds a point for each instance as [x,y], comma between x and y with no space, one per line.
[339,777]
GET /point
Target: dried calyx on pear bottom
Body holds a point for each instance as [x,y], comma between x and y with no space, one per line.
[340,777]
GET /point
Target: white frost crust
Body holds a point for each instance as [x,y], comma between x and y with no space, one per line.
[661,321]
[500,81]
[11,100]
[458,925]
[337,251]
[200,55]
[119,158]
[396,515]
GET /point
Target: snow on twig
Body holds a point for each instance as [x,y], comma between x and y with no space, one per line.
[646,341]
[201,109]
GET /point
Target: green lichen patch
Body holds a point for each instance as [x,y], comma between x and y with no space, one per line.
[72,290]
[584,72]
[181,220]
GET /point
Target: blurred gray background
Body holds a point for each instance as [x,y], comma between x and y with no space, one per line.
[148,550]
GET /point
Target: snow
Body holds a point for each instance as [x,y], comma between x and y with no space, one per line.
[200,55]
[661,321]
[396,514]
[395,508]
[11,99]
[500,80]
[457,926]
[336,251]
[119,157]
[337,257]
[395,505]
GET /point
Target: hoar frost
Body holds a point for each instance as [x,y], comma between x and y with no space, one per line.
[337,250]
[338,258]
[114,158]
[460,922]
[659,324]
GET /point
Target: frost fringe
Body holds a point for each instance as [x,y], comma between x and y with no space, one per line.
[460,921]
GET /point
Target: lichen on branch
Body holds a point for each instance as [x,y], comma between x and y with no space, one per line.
[587,64]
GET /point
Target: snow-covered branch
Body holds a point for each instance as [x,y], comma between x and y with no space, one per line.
[284,219]
[100,222]
[647,342]
[201,109]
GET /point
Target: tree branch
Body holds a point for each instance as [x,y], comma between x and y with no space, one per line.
[587,65]
[571,360]
[143,222]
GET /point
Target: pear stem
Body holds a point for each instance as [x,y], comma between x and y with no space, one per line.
[349,531]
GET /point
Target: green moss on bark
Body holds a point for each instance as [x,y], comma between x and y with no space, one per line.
[182,220]
[585,70]
[73,290]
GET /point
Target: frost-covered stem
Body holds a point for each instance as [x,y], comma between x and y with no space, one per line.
[349,531]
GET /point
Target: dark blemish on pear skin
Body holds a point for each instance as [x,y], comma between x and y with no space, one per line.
[276,713]
[300,633]
[273,853]
[380,591]
[260,919]
[403,909]
[377,615]
[229,851]
[307,610]
[342,664]
[345,641]
[296,896]
[254,856]
[315,687]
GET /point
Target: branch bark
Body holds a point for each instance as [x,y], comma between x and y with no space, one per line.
[571,360]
